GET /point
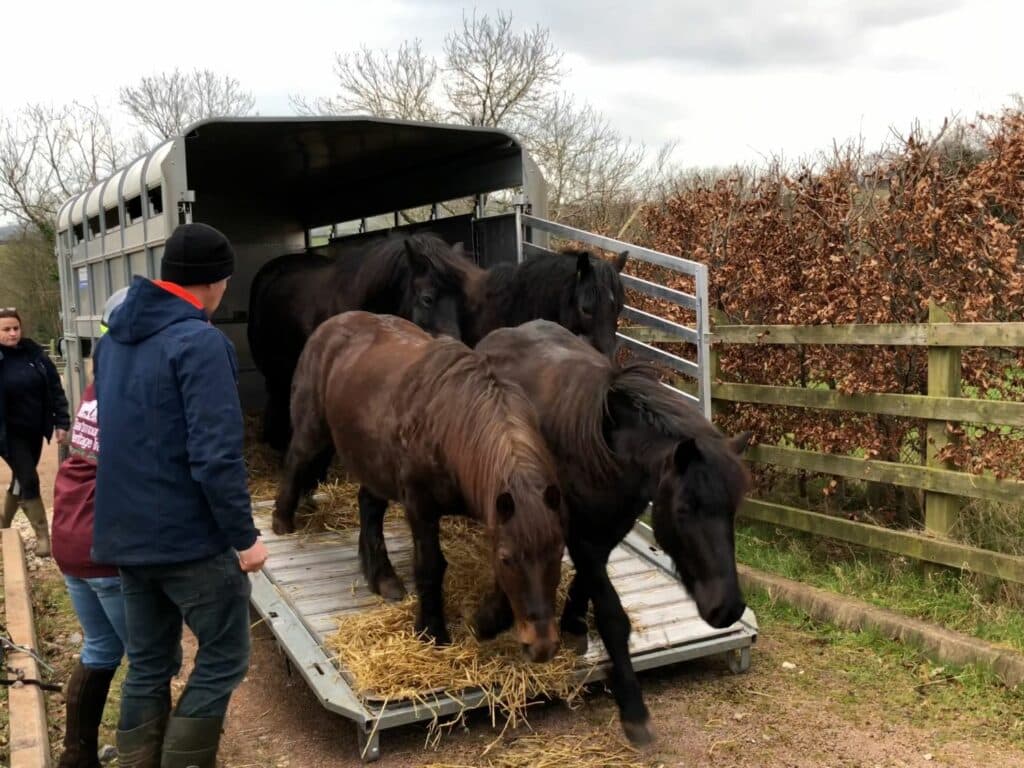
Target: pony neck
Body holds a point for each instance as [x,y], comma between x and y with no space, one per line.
[644,450]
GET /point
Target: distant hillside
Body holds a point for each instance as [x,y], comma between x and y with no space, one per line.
[8,231]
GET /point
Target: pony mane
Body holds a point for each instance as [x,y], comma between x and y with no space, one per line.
[489,430]
[673,417]
[576,414]
[386,267]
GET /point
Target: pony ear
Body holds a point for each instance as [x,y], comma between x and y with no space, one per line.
[620,261]
[553,498]
[583,266]
[505,506]
[686,453]
[739,443]
[417,261]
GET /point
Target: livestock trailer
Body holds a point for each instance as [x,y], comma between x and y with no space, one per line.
[271,184]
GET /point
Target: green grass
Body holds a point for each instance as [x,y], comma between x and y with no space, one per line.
[55,618]
[966,604]
[877,672]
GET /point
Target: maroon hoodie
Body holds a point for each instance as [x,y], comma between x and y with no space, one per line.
[74,496]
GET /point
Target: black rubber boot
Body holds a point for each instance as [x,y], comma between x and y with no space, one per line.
[140,747]
[85,698]
[191,742]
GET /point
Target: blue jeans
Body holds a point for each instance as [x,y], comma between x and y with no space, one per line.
[100,609]
[211,596]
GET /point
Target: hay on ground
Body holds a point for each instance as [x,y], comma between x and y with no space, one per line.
[598,749]
[385,659]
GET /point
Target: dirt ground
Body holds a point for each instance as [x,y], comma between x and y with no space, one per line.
[830,705]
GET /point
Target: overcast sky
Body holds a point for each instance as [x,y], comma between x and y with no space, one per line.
[732,81]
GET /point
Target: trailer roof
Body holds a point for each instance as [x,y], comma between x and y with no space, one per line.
[332,169]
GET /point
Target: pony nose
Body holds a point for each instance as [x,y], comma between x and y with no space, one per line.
[540,640]
[719,601]
[727,614]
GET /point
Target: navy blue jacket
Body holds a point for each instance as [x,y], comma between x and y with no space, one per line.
[171,483]
[32,399]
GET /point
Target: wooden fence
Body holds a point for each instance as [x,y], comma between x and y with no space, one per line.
[943,487]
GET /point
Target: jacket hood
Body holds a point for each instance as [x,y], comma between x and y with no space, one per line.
[148,309]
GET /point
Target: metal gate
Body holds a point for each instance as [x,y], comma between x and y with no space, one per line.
[697,302]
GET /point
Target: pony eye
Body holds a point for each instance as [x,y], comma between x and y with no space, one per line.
[427,300]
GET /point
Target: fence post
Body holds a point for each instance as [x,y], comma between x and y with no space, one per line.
[941,509]
[716,317]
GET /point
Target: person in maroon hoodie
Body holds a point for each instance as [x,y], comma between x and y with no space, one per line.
[95,588]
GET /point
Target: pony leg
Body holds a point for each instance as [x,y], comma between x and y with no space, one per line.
[373,553]
[428,570]
[613,626]
[277,423]
[494,615]
[308,451]
[574,615]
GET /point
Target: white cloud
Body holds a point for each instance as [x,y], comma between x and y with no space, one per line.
[731,82]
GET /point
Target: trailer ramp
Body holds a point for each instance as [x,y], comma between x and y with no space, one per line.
[310,579]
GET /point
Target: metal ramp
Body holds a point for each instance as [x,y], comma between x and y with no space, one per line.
[312,578]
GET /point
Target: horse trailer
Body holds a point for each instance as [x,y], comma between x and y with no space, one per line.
[276,185]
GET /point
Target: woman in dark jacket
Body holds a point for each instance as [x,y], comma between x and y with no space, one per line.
[32,407]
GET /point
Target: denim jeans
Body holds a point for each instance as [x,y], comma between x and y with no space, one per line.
[211,596]
[100,609]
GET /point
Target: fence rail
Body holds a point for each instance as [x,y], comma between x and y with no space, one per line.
[944,487]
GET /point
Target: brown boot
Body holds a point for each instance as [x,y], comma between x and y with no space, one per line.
[10,510]
[36,514]
[86,696]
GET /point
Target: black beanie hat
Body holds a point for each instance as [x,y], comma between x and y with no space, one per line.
[196,254]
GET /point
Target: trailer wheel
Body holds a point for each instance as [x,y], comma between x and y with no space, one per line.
[738,659]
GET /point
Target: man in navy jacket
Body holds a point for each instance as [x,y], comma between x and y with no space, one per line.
[172,506]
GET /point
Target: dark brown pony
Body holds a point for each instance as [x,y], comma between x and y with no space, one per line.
[425,421]
[418,277]
[622,440]
[581,292]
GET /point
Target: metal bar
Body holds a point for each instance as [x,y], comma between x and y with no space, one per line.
[644,254]
[520,255]
[537,250]
[683,333]
[306,654]
[657,291]
[704,341]
[687,395]
[679,364]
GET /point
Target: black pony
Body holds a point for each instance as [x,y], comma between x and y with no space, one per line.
[418,277]
[621,439]
[580,292]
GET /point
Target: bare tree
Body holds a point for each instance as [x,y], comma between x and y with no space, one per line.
[49,153]
[495,74]
[30,283]
[381,84]
[593,173]
[165,104]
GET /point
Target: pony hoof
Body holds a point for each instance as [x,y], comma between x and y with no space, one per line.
[392,589]
[437,636]
[639,734]
[578,643]
[282,526]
